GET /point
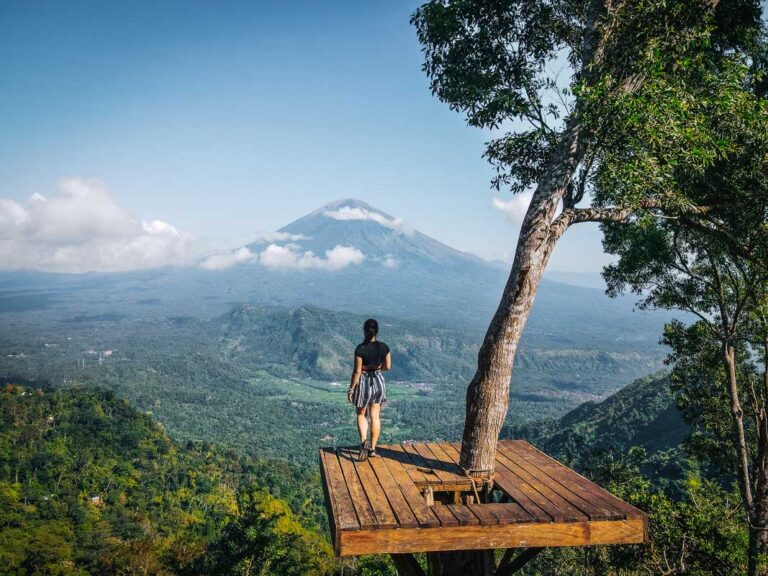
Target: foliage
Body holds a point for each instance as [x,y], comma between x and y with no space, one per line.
[643,414]
[701,533]
[90,486]
[265,539]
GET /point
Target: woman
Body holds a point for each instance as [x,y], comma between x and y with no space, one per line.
[366,389]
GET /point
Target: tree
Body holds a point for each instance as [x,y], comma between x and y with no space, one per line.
[264,539]
[712,267]
[491,60]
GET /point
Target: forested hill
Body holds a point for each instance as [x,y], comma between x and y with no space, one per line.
[316,342]
[90,486]
[643,414]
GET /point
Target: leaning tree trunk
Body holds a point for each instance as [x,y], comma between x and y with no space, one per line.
[488,392]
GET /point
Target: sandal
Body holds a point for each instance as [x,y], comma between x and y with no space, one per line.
[373,454]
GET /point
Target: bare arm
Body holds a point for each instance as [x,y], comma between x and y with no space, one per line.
[356,371]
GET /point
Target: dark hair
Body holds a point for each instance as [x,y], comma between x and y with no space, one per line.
[371,329]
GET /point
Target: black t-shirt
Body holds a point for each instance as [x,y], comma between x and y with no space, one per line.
[373,353]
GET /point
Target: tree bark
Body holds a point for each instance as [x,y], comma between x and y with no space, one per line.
[758,518]
[737,415]
[488,392]
[758,541]
[742,452]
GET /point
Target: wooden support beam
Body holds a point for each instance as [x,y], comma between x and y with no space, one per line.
[513,565]
[407,565]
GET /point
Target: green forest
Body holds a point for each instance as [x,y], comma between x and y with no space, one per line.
[92,486]
[180,445]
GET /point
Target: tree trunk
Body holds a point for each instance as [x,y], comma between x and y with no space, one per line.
[488,392]
[758,518]
[463,563]
[737,415]
[742,452]
[758,541]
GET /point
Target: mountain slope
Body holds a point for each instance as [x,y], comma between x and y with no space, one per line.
[353,222]
[88,485]
[642,414]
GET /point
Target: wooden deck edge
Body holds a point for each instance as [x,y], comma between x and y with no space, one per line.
[410,540]
[331,507]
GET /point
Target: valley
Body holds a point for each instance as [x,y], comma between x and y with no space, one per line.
[258,358]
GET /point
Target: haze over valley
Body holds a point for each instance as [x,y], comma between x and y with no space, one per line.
[253,345]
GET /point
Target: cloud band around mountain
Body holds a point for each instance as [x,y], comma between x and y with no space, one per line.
[287,257]
[81,229]
[358,213]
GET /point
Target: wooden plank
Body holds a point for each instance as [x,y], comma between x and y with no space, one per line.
[609,498]
[445,515]
[596,510]
[363,508]
[421,510]
[419,462]
[405,516]
[404,458]
[433,479]
[525,495]
[572,513]
[509,513]
[330,506]
[463,514]
[344,510]
[433,462]
[486,517]
[511,487]
[410,540]
[385,517]
[448,462]
[571,480]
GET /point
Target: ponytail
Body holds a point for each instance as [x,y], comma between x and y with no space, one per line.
[370,329]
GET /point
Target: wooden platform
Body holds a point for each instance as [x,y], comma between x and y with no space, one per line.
[415,499]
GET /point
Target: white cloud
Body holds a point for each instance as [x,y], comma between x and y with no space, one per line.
[82,228]
[264,237]
[357,213]
[515,208]
[391,262]
[224,261]
[274,256]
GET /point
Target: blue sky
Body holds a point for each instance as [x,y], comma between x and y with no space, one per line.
[226,119]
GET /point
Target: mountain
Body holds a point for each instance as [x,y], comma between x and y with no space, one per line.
[642,414]
[308,341]
[384,239]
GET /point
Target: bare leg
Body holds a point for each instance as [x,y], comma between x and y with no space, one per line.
[375,424]
[362,423]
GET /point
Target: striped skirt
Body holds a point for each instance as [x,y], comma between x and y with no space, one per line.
[370,389]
